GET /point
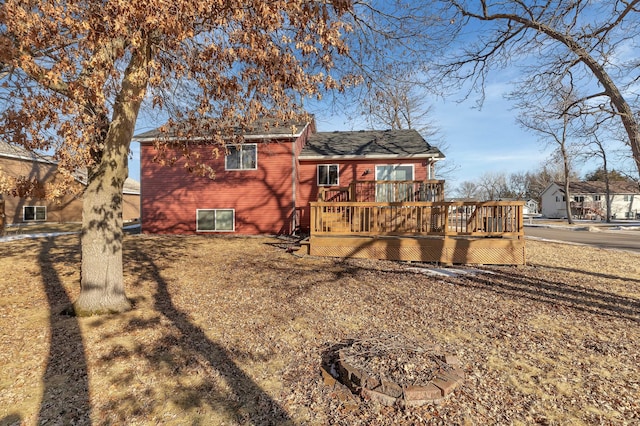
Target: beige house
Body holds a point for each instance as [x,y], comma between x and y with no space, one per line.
[18,162]
[588,200]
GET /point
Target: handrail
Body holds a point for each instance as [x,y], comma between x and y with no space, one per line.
[443,218]
[385,190]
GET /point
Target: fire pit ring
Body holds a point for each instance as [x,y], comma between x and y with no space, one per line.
[445,375]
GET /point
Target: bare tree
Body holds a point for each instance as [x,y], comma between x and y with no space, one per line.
[493,186]
[579,43]
[399,102]
[467,190]
[595,146]
[554,125]
[518,184]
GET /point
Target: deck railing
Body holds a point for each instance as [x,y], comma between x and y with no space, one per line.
[385,191]
[489,218]
[341,194]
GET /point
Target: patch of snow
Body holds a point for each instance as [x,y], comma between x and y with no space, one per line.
[447,272]
[41,235]
[625,228]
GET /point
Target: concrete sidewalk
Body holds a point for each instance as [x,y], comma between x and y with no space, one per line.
[588,225]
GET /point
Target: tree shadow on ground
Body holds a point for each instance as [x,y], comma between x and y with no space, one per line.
[516,284]
[243,399]
[65,399]
[590,273]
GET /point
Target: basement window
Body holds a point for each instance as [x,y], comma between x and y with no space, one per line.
[215,220]
[34,213]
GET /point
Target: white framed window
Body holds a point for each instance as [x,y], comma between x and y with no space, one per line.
[560,198]
[627,198]
[394,192]
[34,213]
[579,198]
[328,175]
[597,197]
[215,220]
[241,157]
[395,172]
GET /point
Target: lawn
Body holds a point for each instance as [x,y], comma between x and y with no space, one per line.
[234,330]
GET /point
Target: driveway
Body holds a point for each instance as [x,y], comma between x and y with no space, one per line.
[597,237]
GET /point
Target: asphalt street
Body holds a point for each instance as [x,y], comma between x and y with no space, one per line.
[621,240]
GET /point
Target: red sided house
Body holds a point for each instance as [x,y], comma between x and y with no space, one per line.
[265,185]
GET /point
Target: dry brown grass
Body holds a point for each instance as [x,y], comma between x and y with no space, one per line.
[232,331]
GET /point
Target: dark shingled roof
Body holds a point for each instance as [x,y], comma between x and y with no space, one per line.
[259,129]
[597,187]
[374,143]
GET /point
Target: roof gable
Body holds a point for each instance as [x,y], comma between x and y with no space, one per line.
[370,143]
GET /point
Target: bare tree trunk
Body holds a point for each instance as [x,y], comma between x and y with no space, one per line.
[102,280]
[566,168]
[607,189]
[567,201]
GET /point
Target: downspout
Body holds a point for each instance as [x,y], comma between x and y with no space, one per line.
[294,213]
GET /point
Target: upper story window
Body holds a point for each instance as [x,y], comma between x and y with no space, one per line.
[579,198]
[242,157]
[327,174]
[597,197]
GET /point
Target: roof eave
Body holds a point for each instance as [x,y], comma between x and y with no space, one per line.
[433,156]
[271,136]
[202,139]
[31,159]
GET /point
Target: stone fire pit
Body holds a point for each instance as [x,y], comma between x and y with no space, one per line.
[394,370]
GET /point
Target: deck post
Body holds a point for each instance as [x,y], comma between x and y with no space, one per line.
[520,216]
[312,219]
[446,220]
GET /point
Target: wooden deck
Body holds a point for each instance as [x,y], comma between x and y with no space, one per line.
[489,232]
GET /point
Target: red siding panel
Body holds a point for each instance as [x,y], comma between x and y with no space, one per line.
[262,198]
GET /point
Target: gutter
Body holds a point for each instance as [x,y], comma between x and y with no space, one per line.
[371,157]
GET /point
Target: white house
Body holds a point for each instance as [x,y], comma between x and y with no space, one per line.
[531,208]
[588,200]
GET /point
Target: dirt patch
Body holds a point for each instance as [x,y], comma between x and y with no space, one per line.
[232,331]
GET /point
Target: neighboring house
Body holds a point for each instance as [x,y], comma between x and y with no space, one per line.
[265,184]
[588,200]
[17,162]
[531,207]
